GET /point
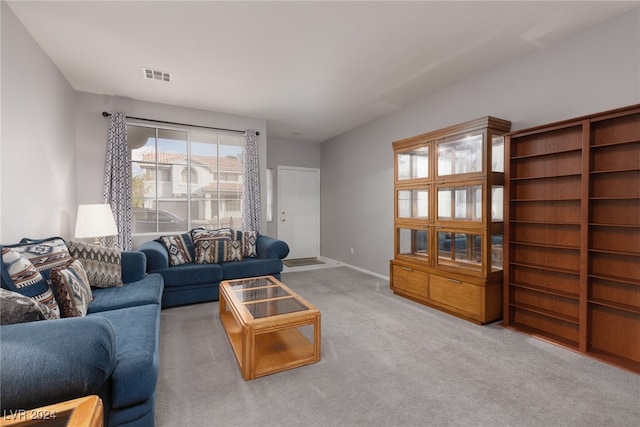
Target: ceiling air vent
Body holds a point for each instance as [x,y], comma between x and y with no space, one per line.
[156,74]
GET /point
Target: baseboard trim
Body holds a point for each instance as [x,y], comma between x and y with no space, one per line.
[340,263]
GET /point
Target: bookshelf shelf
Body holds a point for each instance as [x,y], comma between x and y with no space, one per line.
[572,234]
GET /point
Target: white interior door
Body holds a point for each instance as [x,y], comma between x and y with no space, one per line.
[299,210]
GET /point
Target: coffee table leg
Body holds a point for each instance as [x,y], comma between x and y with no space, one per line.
[317,338]
[222,304]
[248,367]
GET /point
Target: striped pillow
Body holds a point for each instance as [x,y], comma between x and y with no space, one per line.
[180,248]
[101,264]
[73,289]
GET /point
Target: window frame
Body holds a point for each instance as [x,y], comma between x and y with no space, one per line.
[188,197]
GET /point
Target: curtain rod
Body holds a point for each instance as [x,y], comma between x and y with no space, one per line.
[105,114]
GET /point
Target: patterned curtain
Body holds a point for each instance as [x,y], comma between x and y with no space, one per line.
[117,181]
[251,179]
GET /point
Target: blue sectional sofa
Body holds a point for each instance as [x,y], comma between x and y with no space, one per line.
[112,351]
[194,282]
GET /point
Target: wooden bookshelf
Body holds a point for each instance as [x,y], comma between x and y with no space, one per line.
[572,234]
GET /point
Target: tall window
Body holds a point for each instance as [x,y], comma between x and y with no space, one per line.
[183,178]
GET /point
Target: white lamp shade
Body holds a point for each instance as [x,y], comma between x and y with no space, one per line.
[95,221]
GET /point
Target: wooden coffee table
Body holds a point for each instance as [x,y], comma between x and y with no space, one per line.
[270,327]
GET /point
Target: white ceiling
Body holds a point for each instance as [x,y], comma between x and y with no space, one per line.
[313,70]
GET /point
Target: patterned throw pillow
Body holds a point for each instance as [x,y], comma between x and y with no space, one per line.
[248,240]
[21,276]
[73,289]
[180,248]
[215,251]
[220,233]
[17,308]
[44,254]
[101,264]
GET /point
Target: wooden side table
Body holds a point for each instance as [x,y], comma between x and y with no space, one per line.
[82,412]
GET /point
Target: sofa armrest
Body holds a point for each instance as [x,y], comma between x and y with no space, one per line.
[51,361]
[268,247]
[134,266]
[157,255]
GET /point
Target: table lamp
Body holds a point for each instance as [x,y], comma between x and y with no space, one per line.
[95,221]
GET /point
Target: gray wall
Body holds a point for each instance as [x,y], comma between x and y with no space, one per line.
[92,128]
[595,71]
[46,126]
[288,153]
[38,177]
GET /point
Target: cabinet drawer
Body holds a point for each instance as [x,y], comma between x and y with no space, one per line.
[411,281]
[458,295]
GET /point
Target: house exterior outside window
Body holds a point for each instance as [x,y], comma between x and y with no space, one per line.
[184,178]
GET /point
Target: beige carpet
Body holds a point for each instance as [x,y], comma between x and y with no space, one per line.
[386,361]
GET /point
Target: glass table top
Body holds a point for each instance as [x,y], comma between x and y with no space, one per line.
[272,308]
[261,293]
[253,283]
[263,297]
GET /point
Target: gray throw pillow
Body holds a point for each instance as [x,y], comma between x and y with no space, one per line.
[17,308]
[102,265]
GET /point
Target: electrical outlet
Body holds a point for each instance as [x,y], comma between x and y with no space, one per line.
[351,251]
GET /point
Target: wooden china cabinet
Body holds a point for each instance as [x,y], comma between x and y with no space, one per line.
[573,234]
[448,222]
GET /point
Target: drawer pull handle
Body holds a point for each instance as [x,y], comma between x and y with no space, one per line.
[407,268]
[455,281]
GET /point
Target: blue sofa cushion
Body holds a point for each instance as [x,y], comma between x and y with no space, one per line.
[147,291]
[179,247]
[142,414]
[251,267]
[72,287]
[134,266]
[156,255]
[101,264]
[21,276]
[137,328]
[190,294]
[191,274]
[17,308]
[85,346]
[268,247]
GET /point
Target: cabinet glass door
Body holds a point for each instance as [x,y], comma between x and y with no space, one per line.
[497,154]
[461,249]
[463,155]
[413,203]
[460,203]
[496,252]
[497,203]
[413,242]
[413,164]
